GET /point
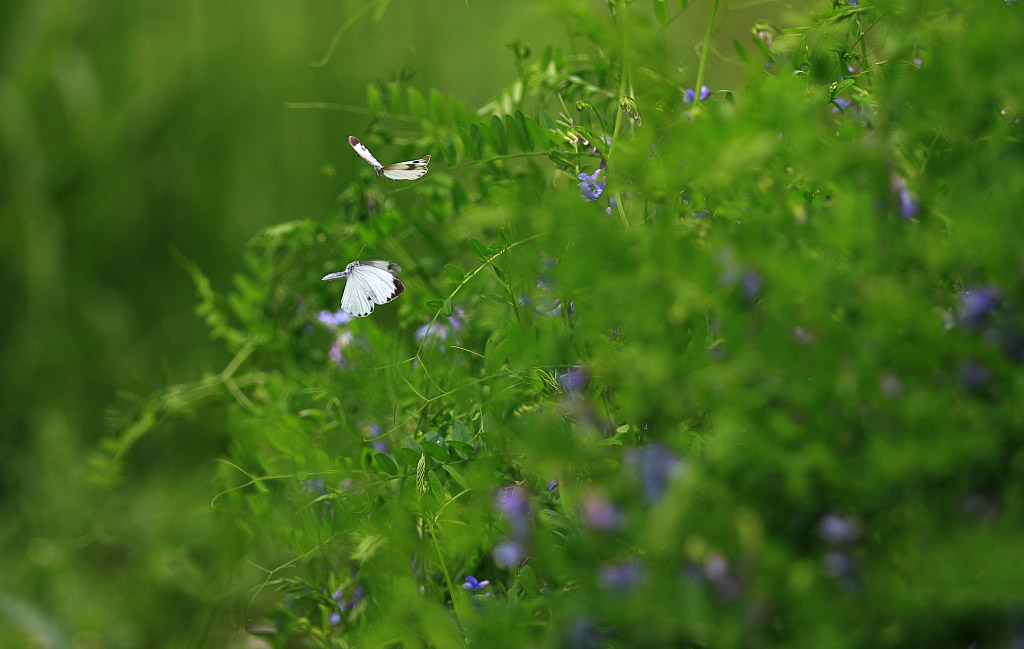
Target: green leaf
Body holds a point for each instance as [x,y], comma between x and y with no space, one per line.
[504,237]
[460,118]
[407,456]
[499,131]
[435,486]
[456,475]
[434,304]
[479,251]
[461,432]
[417,106]
[524,123]
[842,85]
[385,463]
[438,107]
[462,448]
[478,140]
[661,11]
[515,132]
[396,98]
[469,143]
[538,136]
[448,150]
[546,122]
[374,100]
[740,50]
[434,451]
[446,308]
[455,273]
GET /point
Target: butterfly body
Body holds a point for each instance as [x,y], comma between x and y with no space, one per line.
[370,282]
[408,170]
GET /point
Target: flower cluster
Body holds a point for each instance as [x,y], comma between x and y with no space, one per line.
[512,504]
[592,186]
[440,331]
[343,605]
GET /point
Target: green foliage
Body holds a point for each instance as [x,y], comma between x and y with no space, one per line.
[757,392]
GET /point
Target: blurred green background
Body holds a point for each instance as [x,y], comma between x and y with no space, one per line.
[129,130]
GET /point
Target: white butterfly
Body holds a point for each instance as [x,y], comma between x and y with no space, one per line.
[408,170]
[371,281]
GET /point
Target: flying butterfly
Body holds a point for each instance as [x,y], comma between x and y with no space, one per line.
[408,170]
[371,281]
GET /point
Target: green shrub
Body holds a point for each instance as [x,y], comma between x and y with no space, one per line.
[757,392]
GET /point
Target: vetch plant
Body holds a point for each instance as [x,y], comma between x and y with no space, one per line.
[730,417]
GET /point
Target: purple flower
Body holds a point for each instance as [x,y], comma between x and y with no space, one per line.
[620,576]
[842,566]
[716,571]
[612,204]
[575,380]
[509,554]
[343,340]
[511,502]
[751,284]
[977,306]
[380,447]
[655,466]
[333,318]
[473,584]
[917,61]
[843,104]
[974,376]
[590,186]
[335,618]
[688,94]
[908,202]
[838,530]
[440,331]
[552,485]
[600,514]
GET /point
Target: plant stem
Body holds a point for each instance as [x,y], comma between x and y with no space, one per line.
[704,57]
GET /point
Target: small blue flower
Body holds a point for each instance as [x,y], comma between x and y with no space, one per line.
[600,514]
[977,306]
[552,485]
[751,283]
[838,530]
[843,105]
[335,618]
[509,554]
[688,94]
[343,340]
[575,380]
[908,202]
[439,331]
[591,187]
[333,318]
[512,504]
[655,466]
[612,204]
[621,576]
[473,584]
[974,376]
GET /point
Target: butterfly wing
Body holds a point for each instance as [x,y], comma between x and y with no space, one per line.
[408,170]
[389,266]
[363,152]
[369,284]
